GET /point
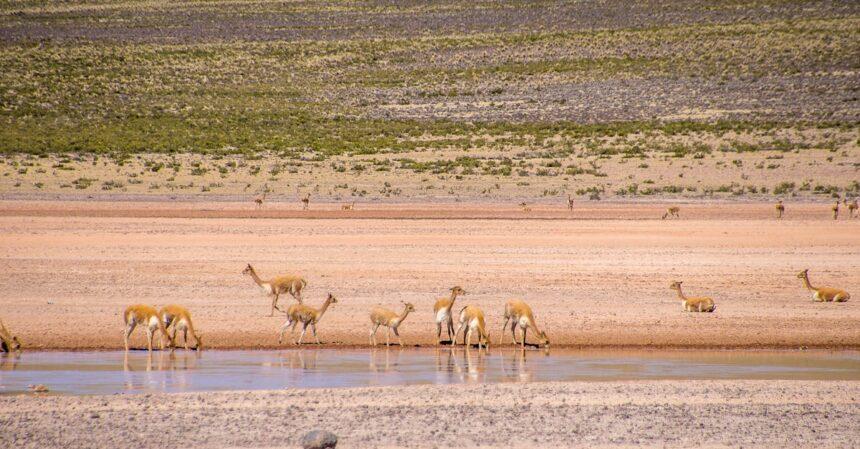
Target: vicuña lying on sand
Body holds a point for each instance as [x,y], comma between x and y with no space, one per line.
[701,304]
[823,294]
[472,318]
[381,316]
[147,317]
[180,319]
[442,313]
[520,315]
[308,316]
[8,342]
[672,212]
[288,283]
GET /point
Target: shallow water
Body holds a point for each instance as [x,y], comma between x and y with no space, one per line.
[139,372]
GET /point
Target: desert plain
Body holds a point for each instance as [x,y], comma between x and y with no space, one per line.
[136,135]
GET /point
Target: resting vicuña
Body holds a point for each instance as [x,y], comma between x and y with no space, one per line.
[701,304]
[673,211]
[823,294]
[288,283]
[521,315]
[381,316]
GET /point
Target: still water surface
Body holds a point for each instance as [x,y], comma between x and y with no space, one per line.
[100,372]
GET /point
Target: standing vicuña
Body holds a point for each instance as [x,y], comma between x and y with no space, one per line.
[442,312]
[472,318]
[350,206]
[823,294]
[701,304]
[288,283]
[180,319]
[852,208]
[381,316]
[569,202]
[522,316]
[780,209]
[673,211]
[835,210]
[306,201]
[8,342]
[148,317]
[308,316]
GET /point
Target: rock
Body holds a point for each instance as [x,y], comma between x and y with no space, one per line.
[319,439]
[39,388]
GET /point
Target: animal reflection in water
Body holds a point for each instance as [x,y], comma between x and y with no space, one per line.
[462,365]
[162,361]
[8,362]
[385,360]
[299,359]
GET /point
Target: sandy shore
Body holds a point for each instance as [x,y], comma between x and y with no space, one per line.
[591,282]
[612,414]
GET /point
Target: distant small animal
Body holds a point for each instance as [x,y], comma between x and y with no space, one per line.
[306,202]
[350,206]
[835,210]
[525,207]
[569,202]
[673,211]
[780,209]
[852,208]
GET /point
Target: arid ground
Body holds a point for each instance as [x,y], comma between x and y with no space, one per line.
[598,276]
[601,414]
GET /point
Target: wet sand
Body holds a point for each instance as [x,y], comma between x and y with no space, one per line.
[611,414]
[591,282]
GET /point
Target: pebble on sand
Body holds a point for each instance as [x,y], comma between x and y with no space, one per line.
[319,439]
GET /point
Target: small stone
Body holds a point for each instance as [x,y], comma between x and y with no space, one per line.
[319,439]
[39,388]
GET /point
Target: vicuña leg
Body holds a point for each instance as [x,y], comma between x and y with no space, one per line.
[504,326]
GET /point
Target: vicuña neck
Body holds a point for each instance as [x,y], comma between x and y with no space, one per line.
[806,282]
[403,315]
[255,277]
[324,307]
[681,294]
